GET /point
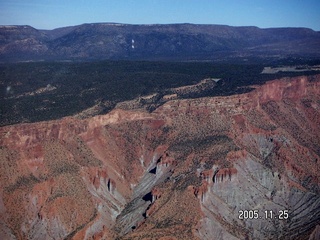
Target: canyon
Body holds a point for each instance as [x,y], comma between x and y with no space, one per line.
[183,171]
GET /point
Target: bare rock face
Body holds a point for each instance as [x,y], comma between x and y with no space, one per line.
[238,167]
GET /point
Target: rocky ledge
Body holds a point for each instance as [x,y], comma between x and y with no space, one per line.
[191,169]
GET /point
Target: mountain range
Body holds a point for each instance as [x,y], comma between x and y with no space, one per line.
[187,42]
[190,145]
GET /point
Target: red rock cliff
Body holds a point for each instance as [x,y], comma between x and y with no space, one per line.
[182,172]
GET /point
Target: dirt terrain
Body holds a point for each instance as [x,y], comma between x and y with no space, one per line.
[184,171]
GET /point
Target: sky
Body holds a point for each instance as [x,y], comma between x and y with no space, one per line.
[50,14]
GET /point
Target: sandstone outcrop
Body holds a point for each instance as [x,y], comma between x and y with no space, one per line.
[185,171]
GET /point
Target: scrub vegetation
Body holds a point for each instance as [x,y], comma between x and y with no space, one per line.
[38,91]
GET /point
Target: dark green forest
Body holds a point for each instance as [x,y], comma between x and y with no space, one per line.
[75,87]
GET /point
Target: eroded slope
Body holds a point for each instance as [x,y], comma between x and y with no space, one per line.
[181,172]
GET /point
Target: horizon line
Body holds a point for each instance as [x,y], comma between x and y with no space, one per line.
[151,24]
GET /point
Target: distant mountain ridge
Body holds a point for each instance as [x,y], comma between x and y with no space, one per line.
[195,42]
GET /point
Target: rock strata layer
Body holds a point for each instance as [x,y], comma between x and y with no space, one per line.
[191,169]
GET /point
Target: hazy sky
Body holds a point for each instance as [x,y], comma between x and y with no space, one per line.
[49,14]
